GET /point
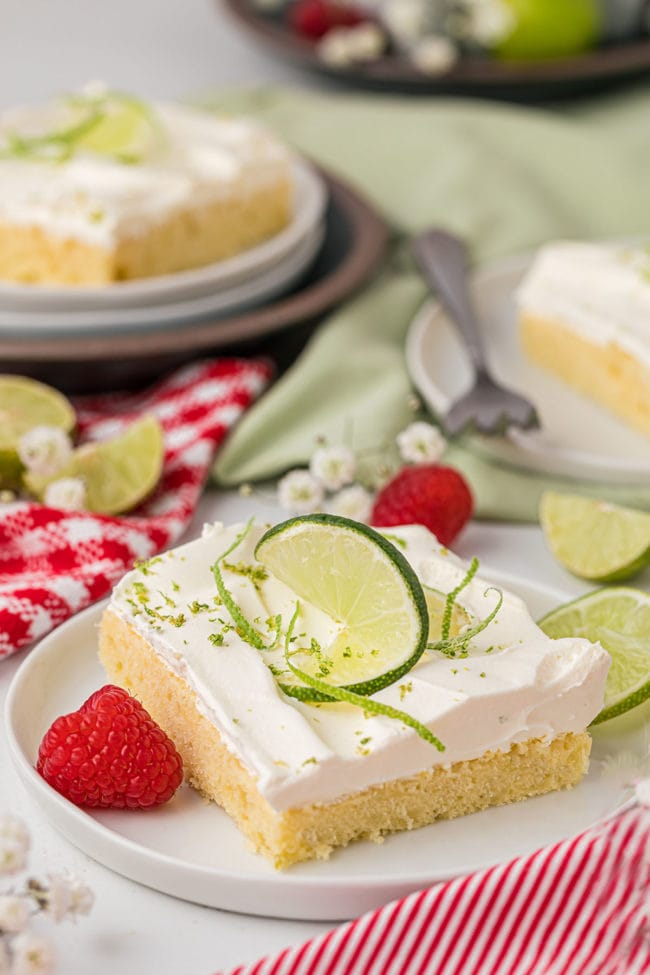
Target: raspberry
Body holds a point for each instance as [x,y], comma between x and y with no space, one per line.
[315,18]
[429,494]
[110,754]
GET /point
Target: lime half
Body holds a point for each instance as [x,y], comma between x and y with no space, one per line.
[363,583]
[26,403]
[593,539]
[119,473]
[619,619]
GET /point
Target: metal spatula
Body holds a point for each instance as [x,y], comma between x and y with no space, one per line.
[488,407]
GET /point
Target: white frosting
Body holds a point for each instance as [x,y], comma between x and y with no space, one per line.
[602,292]
[516,683]
[200,159]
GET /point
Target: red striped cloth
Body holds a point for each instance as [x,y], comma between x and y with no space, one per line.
[54,563]
[581,907]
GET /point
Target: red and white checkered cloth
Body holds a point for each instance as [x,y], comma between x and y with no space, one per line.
[54,563]
[581,907]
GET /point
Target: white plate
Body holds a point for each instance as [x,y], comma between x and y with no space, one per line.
[577,438]
[267,284]
[310,198]
[192,850]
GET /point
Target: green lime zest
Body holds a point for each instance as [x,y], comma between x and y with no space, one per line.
[457,646]
[327,693]
[54,146]
[453,595]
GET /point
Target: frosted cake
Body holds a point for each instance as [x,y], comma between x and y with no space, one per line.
[585,316]
[301,779]
[104,188]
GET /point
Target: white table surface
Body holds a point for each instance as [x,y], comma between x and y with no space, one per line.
[135,930]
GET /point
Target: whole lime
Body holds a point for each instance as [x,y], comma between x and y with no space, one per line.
[550,29]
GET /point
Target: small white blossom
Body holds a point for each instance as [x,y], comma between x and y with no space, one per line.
[489,22]
[32,955]
[333,466]
[434,54]
[343,46]
[643,792]
[14,844]
[81,899]
[45,450]
[13,828]
[421,443]
[56,897]
[352,502]
[66,492]
[300,492]
[14,914]
[406,19]
[334,49]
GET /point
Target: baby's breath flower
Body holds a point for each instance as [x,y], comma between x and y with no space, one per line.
[421,443]
[333,466]
[14,914]
[45,450]
[405,19]
[56,897]
[66,492]
[81,899]
[434,54]
[343,46]
[489,21]
[32,955]
[300,492]
[334,48]
[14,844]
[352,502]
[643,792]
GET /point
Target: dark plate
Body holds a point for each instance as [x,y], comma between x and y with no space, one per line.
[355,243]
[478,76]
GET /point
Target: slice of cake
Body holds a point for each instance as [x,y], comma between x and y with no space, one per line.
[585,315]
[103,188]
[508,707]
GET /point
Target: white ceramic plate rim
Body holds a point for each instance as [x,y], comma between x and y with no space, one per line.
[134,860]
[310,198]
[518,446]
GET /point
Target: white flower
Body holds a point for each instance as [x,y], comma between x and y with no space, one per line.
[352,502]
[45,450]
[14,844]
[67,897]
[421,443]
[333,466]
[300,492]
[343,46]
[643,792]
[14,914]
[32,955]
[66,492]
[489,22]
[334,48]
[405,19]
[434,54]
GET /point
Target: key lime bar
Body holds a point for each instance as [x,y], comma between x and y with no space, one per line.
[585,315]
[102,189]
[300,777]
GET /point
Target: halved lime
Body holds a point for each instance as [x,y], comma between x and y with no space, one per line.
[118,473]
[362,582]
[436,603]
[620,620]
[26,403]
[126,130]
[593,539]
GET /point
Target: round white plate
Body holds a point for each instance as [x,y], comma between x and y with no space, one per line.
[192,850]
[267,284]
[310,199]
[577,438]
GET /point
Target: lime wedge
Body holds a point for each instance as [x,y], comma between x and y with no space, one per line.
[620,620]
[26,403]
[118,473]
[362,582]
[126,130]
[593,539]
[436,603]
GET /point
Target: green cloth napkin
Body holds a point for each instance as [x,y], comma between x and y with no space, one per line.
[506,178]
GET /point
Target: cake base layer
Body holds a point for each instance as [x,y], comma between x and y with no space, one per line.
[443,792]
[605,373]
[187,239]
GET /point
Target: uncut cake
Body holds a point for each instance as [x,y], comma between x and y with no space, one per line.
[232,662]
[101,187]
[584,312]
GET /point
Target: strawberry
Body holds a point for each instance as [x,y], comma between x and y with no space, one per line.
[429,494]
[314,18]
[110,754]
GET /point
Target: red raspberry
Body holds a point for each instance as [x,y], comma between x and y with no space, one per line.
[314,18]
[429,494]
[110,754]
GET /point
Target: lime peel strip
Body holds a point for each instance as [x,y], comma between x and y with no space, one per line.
[451,598]
[333,694]
[459,643]
[244,626]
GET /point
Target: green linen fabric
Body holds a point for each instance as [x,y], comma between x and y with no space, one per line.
[506,178]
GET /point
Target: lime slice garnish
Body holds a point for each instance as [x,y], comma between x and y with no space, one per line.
[126,130]
[363,583]
[593,539]
[118,473]
[619,619]
[26,403]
